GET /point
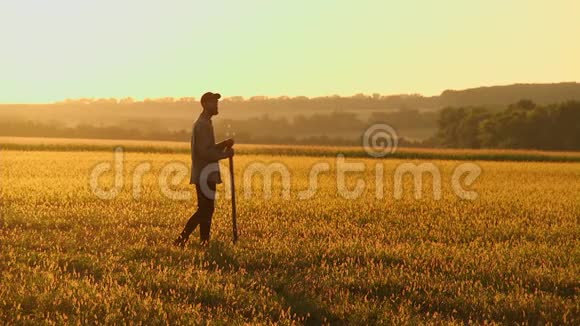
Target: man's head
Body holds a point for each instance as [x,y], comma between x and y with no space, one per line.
[209,102]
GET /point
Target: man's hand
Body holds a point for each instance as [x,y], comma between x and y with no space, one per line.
[229,152]
[229,142]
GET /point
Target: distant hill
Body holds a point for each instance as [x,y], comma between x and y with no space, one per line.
[237,107]
[505,95]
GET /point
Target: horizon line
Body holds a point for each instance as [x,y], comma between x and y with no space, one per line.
[268,97]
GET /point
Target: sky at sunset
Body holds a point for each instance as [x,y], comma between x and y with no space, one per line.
[57,49]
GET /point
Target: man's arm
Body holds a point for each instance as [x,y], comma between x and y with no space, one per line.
[205,148]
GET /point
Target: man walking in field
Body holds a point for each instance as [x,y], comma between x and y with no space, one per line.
[205,173]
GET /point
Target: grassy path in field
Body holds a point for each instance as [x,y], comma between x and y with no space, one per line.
[138,146]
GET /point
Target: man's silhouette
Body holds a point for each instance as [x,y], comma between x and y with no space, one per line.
[205,173]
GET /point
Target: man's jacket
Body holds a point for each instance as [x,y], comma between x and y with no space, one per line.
[204,153]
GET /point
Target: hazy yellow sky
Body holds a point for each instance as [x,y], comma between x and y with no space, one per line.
[56,49]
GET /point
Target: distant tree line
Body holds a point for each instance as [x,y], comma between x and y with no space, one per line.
[522,125]
[525,124]
[336,128]
[493,96]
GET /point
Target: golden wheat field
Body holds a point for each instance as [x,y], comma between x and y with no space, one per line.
[66,256]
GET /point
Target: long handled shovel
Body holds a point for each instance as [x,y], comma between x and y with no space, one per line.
[233,188]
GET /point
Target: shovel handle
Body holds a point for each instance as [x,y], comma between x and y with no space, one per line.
[233,190]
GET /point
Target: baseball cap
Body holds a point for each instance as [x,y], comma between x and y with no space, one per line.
[210,96]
